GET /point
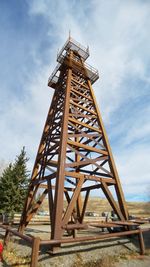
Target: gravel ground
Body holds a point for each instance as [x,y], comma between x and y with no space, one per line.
[117,252]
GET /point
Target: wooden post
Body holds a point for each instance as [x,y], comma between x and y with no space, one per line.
[35,251]
[7,237]
[141,241]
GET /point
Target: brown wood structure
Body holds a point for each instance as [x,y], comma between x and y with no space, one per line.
[73,159]
[74,155]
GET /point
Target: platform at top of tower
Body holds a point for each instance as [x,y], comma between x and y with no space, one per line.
[71,44]
[83,52]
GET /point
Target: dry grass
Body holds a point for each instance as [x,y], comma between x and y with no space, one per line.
[106,261]
[141,209]
[10,257]
[99,205]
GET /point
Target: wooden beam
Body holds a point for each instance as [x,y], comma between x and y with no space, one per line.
[82,107]
[88,148]
[90,177]
[112,201]
[72,202]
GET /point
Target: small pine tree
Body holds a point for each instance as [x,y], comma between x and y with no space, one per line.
[6,190]
[13,185]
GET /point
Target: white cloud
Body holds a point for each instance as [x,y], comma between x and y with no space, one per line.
[133,166]
[23,121]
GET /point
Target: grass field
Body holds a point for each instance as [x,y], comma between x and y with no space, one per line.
[99,205]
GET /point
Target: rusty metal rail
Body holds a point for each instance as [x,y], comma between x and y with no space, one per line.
[33,241]
[36,242]
[93,238]
[15,232]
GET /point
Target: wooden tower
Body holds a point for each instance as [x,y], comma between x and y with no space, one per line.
[74,155]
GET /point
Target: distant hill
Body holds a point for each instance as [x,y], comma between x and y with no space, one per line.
[99,205]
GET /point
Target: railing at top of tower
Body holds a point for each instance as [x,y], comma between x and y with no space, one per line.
[74,45]
[71,44]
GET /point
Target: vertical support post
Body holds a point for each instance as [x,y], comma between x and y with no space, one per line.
[35,252]
[119,190]
[79,200]
[141,242]
[74,233]
[50,201]
[7,237]
[85,204]
[59,191]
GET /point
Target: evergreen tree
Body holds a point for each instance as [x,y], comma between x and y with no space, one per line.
[6,190]
[13,185]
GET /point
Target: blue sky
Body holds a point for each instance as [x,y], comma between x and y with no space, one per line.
[117,32]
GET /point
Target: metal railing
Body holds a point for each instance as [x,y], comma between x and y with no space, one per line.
[82,51]
[53,77]
[74,45]
[91,72]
